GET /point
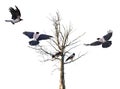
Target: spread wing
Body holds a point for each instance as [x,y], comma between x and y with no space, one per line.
[29,34]
[17,11]
[13,13]
[96,43]
[107,36]
[43,37]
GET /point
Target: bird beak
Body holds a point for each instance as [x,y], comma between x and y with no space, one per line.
[21,19]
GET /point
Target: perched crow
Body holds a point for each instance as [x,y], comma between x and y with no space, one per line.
[104,40]
[15,15]
[36,37]
[56,55]
[71,57]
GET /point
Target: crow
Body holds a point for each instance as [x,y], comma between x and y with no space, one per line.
[71,57]
[16,15]
[57,54]
[36,36]
[104,41]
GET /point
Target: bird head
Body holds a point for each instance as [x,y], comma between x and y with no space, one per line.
[98,38]
[37,32]
[73,53]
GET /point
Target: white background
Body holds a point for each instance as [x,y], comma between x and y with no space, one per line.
[20,66]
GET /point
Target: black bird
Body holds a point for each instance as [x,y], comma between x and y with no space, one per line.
[104,40]
[16,15]
[36,37]
[57,54]
[71,57]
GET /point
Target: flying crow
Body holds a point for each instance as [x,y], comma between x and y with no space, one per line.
[15,15]
[71,57]
[36,37]
[56,55]
[104,41]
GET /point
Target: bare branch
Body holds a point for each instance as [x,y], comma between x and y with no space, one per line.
[45,60]
[71,48]
[46,52]
[62,37]
[36,48]
[55,48]
[55,69]
[73,41]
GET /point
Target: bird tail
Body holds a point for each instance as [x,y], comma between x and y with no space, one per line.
[67,59]
[33,43]
[107,44]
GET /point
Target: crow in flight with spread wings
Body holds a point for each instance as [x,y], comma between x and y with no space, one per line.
[36,37]
[16,15]
[104,41]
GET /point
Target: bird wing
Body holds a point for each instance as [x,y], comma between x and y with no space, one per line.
[13,13]
[95,43]
[17,11]
[29,34]
[107,36]
[107,44]
[43,37]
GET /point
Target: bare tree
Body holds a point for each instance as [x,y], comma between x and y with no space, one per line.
[61,47]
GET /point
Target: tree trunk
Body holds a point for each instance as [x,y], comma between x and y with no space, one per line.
[62,78]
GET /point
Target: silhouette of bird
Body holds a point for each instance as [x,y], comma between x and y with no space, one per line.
[71,57]
[36,36]
[104,41]
[16,15]
[57,54]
